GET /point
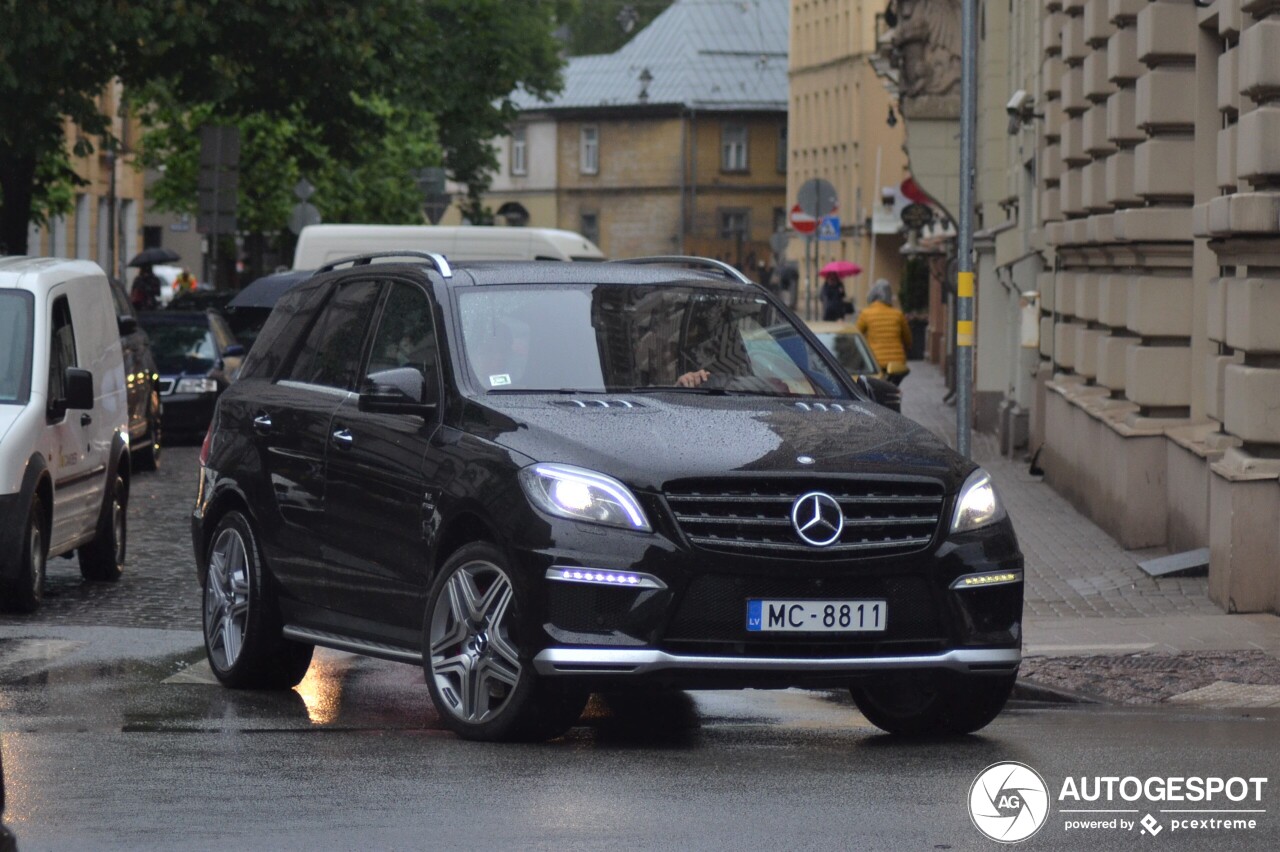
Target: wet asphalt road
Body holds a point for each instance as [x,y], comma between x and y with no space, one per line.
[115,737]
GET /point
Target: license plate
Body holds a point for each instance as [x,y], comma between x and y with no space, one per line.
[821,616]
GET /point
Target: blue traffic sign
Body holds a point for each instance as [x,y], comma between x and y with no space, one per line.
[829,228]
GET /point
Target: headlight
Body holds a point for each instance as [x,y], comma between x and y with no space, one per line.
[196,386]
[978,505]
[582,495]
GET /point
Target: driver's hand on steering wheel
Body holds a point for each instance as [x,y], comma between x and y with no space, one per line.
[693,379]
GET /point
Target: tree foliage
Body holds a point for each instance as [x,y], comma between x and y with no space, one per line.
[603,26]
[351,92]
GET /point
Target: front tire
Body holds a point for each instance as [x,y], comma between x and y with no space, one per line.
[242,624]
[924,704]
[25,592]
[483,685]
[148,457]
[102,560]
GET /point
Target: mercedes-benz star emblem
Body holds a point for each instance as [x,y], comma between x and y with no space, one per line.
[817,518]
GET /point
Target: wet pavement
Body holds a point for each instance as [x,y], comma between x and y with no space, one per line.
[117,739]
[158,587]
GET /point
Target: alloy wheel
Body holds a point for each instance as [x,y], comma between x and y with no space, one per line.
[226,599]
[474,663]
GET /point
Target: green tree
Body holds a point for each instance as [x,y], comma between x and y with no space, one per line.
[339,75]
[603,26]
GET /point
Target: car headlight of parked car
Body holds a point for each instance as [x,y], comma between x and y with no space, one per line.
[979,505]
[582,495]
[196,386]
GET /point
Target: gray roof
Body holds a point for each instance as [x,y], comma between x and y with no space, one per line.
[708,54]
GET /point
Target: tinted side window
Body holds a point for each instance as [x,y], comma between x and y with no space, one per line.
[331,353]
[62,348]
[406,334]
[124,307]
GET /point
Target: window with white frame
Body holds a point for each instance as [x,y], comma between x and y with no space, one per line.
[589,150]
[519,150]
[733,148]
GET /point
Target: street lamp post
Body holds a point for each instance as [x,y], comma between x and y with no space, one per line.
[964,276]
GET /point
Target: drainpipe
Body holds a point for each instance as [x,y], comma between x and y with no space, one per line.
[684,169]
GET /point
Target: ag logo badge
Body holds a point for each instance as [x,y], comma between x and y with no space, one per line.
[1008,802]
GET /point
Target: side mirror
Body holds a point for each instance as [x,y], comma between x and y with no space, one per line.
[884,393]
[235,350]
[402,390]
[126,324]
[78,386]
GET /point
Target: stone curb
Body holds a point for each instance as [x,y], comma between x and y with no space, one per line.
[1029,690]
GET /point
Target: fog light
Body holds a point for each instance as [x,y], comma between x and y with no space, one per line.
[598,577]
[995,578]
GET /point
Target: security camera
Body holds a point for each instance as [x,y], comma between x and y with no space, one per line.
[1019,102]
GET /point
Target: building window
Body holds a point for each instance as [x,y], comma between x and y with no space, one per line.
[152,236]
[733,148]
[782,150]
[519,151]
[589,150]
[589,226]
[733,224]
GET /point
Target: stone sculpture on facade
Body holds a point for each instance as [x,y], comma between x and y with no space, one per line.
[926,44]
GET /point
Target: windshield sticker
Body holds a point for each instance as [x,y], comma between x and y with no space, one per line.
[499,380]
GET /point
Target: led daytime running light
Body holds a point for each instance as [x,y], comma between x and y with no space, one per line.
[596,576]
[998,578]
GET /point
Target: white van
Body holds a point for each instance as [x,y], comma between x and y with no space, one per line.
[64,425]
[321,244]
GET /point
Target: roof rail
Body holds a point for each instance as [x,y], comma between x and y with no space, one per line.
[690,260]
[437,260]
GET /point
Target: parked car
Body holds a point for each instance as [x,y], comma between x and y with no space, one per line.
[854,354]
[64,425]
[142,382]
[197,356]
[537,480]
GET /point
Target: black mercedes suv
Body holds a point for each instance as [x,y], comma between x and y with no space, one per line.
[537,480]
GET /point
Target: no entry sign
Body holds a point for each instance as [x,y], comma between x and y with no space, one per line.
[801,221]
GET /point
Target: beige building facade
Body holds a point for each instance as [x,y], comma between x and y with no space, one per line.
[1128,201]
[839,130]
[88,232]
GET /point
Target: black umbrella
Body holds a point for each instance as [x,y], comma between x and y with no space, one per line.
[152,256]
[267,290]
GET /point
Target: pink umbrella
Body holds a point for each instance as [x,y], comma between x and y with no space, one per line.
[843,268]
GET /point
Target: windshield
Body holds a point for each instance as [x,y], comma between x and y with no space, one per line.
[851,351]
[181,348]
[15,347]
[597,338]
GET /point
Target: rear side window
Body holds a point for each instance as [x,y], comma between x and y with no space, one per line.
[62,349]
[15,346]
[331,353]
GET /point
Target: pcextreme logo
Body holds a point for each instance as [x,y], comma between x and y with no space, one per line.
[1008,802]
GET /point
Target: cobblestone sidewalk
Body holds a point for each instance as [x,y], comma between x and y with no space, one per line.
[1095,622]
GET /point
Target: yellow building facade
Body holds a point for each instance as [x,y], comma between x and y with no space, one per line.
[840,130]
[89,231]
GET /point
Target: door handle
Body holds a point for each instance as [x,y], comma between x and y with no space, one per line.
[86,419]
[262,424]
[343,438]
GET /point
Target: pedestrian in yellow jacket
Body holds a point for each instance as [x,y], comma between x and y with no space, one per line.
[886,330]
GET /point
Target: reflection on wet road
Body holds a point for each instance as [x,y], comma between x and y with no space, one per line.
[120,739]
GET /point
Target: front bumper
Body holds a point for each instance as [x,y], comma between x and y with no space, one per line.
[187,413]
[626,661]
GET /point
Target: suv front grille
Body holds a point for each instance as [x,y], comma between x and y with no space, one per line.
[882,517]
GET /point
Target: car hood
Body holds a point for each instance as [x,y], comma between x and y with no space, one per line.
[648,440]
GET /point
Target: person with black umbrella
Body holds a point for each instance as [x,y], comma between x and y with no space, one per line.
[145,293]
